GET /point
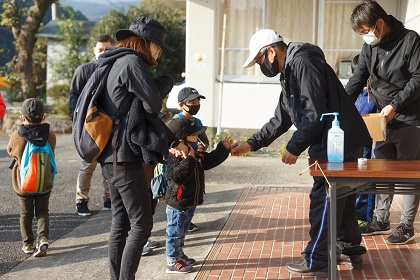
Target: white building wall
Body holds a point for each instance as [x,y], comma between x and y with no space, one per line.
[244,105]
[200,58]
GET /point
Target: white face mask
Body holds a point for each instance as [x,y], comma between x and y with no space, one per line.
[370,37]
[97,55]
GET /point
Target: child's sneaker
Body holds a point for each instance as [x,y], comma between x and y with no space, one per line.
[41,247]
[193,227]
[375,227]
[28,248]
[187,260]
[178,267]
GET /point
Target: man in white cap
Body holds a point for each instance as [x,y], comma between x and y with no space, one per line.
[310,88]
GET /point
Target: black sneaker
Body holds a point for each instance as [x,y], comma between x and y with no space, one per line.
[107,205]
[146,251]
[152,244]
[402,235]
[192,228]
[375,227]
[82,208]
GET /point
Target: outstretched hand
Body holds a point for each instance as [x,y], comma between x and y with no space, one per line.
[239,148]
[228,142]
[289,158]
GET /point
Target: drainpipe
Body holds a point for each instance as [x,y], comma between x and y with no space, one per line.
[222,70]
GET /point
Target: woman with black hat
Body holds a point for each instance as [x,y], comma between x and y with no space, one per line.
[137,49]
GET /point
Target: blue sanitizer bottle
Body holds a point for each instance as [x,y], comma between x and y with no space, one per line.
[335,142]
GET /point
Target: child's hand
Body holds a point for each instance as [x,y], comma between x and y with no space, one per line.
[227,142]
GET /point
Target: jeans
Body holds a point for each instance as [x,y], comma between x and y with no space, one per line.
[132,219]
[402,144]
[29,205]
[176,229]
[83,182]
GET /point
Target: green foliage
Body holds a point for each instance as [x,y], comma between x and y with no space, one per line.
[219,137]
[72,40]
[173,20]
[60,94]
[110,23]
[282,149]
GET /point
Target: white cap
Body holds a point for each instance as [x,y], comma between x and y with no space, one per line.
[259,40]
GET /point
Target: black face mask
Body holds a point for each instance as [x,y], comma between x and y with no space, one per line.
[269,69]
[192,109]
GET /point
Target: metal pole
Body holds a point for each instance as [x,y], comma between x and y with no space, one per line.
[222,69]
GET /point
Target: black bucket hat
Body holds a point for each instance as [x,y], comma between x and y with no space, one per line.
[147,28]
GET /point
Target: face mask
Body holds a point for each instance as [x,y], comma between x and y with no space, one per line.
[270,69]
[194,145]
[370,37]
[156,56]
[192,109]
[97,55]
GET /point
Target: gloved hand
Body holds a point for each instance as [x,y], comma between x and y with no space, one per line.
[165,84]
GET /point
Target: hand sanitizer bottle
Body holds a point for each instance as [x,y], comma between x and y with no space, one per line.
[335,142]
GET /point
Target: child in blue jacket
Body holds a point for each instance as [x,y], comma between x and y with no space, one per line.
[185,178]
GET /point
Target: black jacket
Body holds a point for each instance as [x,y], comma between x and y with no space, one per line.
[395,74]
[311,88]
[80,77]
[129,78]
[185,177]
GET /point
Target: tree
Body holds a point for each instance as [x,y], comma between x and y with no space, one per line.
[173,20]
[24,24]
[74,54]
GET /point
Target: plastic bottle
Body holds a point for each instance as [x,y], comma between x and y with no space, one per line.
[335,142]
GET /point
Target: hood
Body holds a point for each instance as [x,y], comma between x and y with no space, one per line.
[295,49]
[35,133]
[111,54]
[397,28]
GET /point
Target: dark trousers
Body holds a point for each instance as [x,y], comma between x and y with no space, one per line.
[348,233]
[31,205]
[132,219]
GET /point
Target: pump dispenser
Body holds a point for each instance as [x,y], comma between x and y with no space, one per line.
[335,142]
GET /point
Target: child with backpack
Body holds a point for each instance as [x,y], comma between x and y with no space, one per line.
[33,173]
[185,181]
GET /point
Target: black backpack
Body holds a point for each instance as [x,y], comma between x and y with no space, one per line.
[92,126]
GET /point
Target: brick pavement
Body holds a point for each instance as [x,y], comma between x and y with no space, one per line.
[269,227]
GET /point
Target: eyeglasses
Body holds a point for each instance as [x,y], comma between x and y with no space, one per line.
[259,58]
[364,32]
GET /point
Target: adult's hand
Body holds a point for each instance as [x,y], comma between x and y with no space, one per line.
[288,158]
[388,112]
[239,148]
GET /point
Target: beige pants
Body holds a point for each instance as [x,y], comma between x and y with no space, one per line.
[83,182]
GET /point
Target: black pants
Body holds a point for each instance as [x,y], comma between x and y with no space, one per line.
[131,212]
[348,237]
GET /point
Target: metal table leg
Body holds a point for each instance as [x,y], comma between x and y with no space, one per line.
[332,233]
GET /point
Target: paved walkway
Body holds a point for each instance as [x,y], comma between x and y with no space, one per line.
[247,231]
